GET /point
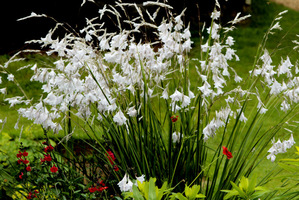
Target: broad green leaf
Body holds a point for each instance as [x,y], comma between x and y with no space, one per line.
[137,195]
[244,183]
[152,189]
[240,191]
[187,191]
[230,193]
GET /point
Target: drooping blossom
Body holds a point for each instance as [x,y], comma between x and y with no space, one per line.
[119,118]
[227,153]
[176,136]
[280,147]
[125,184]
[141,178]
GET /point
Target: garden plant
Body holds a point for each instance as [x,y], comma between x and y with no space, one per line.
[157,123]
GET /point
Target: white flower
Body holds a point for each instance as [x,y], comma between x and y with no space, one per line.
[119,118]
[280,147]
[275,88]
[230,41]
[165,94]
[141,179]
[3,90]
[285,67]
[205,89]
[242,116]
[205,47]
[285,106]
[230,99]
[176,96]
[176,137]
[276,26]
[10,77]
[125,184]
[132,112]
[215,14]
[237,78]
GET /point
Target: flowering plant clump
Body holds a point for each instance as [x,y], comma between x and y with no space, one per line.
[136,97]
[47,175]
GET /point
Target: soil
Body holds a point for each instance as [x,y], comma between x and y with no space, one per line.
[293,4]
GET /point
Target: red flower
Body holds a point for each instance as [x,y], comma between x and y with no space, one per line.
[47,158]
[92,189]
[20,160]
[100,189]
[25,161]
[102,183]
[25,153]
[19,155]
[115,168]
[21,175]
[111,157]
[48,148]
[36,191]
[227,153]
[29,195]
[174,118]
[42,160]
[54,169]
[28,168]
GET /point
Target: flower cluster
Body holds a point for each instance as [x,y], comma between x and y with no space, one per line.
[100,188]
[280,147]
[111,157]
[126,184]
[47,157]
[24,161]
[32,195]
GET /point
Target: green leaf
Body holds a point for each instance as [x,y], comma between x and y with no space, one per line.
[201,196]
[244,184]
[180,196]
[240,191]
[152,189]
[192,192]
[288,167]
[230,193]
[251,186]
[137,194]
[162,191]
